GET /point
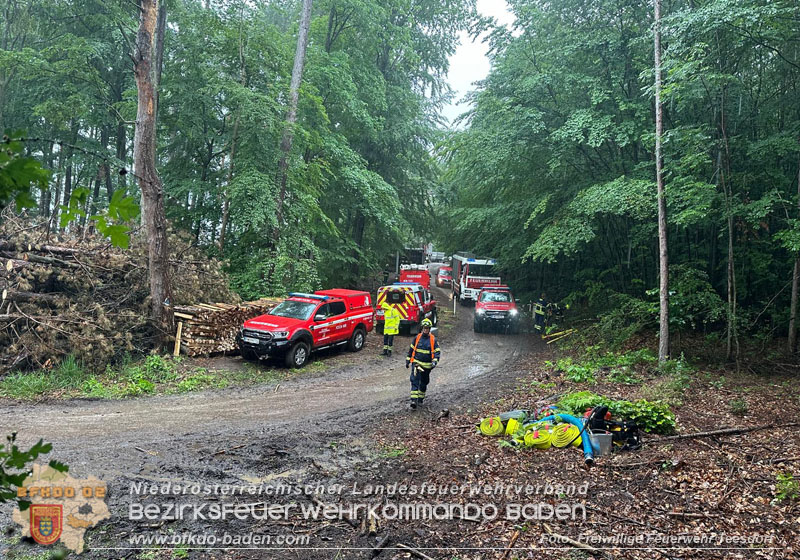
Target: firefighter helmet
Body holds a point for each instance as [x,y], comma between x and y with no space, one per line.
[426,323]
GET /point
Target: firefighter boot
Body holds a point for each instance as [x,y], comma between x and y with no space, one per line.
[413,404]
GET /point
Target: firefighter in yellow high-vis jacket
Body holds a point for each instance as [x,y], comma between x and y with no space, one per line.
[391,326]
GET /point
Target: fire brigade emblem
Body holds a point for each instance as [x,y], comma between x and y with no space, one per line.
[46,523]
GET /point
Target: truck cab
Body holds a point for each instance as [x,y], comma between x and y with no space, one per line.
[470,274]
[495,308]
[304,323]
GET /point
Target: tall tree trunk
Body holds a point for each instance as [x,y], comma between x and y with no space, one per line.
[795,283]
[291,115]
[226,200]
[663,262]
[733,338]
[147,74]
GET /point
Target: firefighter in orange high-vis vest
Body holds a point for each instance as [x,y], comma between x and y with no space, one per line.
[391,326]
[423,356]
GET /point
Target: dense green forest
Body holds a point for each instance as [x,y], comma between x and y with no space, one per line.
[361,170]
[552,171]
[555,171]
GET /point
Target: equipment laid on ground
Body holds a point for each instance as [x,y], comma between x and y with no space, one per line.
[545,427]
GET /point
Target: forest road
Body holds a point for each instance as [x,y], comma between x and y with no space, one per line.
[356,385]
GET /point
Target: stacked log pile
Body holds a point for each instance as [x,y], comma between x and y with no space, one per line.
[73,293]
[204,329]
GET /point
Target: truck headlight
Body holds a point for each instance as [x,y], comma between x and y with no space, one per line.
[513,312]
[280,334]
[479,312]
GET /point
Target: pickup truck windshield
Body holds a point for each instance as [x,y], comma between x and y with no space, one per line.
[504,297]
[446,273]
[294,310]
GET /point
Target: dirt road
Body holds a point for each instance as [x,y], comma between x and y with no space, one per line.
[104,434]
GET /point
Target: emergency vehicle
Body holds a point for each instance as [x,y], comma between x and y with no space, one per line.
[444,277]
[415,273]
[413,302]
[470,274]
[496,309]
[305,323]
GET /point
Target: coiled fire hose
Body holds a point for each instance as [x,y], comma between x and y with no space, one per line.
[588,452]
[566,434]
[540,439]
[492,426]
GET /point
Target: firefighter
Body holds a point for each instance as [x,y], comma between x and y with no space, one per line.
[423,356]
[540,313]
[391,326]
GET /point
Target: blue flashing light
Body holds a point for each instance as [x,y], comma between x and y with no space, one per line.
[309,296]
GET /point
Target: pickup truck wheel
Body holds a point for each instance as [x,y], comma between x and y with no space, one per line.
[298,355]
[435,318]
[476,326]
[357,340]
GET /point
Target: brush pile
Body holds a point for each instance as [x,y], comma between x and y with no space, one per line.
[73,293]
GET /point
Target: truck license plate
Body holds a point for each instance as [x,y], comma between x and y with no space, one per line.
[250,340]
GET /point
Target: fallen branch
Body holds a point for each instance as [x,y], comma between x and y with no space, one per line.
[725,432]
[414,551]
[571,542]
[510,546]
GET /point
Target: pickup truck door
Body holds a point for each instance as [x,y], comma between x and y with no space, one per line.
[340,322]
[320,329]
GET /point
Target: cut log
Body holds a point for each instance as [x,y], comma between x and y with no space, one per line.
[13,295]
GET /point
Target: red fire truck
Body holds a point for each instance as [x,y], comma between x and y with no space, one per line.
[305,323]
[470,274]
[413,302]
[416,273]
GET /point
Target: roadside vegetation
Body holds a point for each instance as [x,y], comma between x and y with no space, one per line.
[154,375]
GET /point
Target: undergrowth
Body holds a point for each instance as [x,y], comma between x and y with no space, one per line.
[154,375]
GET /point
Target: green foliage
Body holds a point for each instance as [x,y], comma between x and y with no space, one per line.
[619,364]
[577,373]
[18,172]
[739,407]
[787,488]
[651,416]
[554,174]
[14,468]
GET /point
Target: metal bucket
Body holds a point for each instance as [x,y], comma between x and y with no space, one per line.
[601,443]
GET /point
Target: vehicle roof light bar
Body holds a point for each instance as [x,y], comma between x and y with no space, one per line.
[309,296]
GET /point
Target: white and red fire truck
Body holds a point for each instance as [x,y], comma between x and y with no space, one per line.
[470,274]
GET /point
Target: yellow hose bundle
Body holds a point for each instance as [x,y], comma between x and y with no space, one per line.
[512,426]
[564,434]
[492,426]
[540,439]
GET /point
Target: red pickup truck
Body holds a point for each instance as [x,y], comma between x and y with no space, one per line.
[304,323]
[495,307]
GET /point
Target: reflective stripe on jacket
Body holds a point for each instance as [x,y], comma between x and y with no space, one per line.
[391,319]
[420,351]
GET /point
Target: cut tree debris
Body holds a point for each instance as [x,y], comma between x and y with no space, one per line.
[205,329]
[72,293]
